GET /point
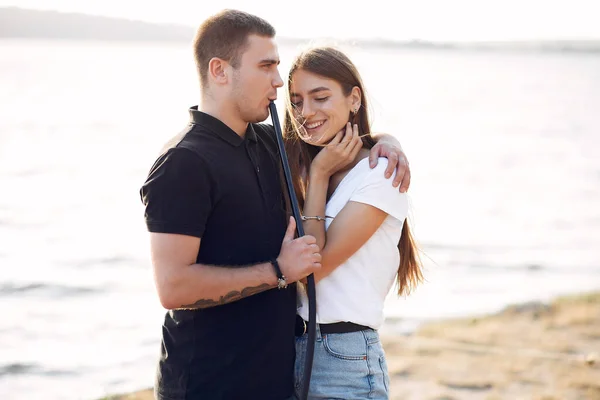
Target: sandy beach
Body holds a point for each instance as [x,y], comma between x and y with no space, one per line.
[528,351]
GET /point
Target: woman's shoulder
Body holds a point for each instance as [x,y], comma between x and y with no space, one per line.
[374,180]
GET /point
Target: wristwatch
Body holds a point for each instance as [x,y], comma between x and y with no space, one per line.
[281,282]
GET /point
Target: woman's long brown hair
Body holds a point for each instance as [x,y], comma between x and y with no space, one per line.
[331,63]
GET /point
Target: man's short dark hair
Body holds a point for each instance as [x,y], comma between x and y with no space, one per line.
[225,35]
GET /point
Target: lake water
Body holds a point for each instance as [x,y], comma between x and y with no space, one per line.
[505,194]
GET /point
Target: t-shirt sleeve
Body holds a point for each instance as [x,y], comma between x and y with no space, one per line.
[378,191]
[177,194]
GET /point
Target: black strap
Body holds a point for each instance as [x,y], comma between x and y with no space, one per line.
[277,269]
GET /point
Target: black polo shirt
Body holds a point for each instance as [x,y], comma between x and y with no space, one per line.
[226,190]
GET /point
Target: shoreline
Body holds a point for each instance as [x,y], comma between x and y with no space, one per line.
[534,350]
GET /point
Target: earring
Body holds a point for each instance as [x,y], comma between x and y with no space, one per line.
[356,110]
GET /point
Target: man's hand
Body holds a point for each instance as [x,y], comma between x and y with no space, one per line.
[300,257]
[396,161]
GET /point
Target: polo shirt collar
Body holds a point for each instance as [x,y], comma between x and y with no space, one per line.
[219,128]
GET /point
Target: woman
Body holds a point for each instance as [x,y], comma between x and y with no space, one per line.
[358,218]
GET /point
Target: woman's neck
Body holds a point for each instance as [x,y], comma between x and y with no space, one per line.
[336,178]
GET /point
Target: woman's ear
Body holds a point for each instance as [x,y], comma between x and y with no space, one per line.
[355,99]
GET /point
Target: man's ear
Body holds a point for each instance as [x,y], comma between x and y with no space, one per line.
[218,71]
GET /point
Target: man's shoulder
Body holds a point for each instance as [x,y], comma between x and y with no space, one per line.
[181,151]
[190,144]
[177,161]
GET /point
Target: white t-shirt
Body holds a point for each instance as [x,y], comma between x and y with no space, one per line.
[355,291]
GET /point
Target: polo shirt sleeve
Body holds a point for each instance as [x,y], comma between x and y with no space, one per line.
[177,194]
[377,191]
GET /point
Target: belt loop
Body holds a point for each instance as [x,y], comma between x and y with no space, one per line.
[318,336]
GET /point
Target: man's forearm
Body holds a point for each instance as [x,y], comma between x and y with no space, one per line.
[204,286]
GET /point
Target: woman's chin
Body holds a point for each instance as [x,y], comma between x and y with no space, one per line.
[316,142]
[319,138]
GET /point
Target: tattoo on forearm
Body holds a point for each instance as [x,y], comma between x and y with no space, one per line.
[228,298]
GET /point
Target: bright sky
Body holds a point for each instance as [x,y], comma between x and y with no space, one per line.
[408,19]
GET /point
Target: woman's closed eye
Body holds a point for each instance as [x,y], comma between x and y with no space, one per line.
[298,104]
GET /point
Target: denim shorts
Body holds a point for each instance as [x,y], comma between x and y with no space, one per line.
[349,366]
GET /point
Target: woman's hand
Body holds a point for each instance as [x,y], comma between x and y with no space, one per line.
[338,153]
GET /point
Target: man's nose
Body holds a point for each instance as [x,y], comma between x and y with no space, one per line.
[278,82]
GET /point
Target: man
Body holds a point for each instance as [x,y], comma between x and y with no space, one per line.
[225,266]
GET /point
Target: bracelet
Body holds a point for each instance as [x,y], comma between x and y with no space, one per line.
[281,282]
[304,218]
